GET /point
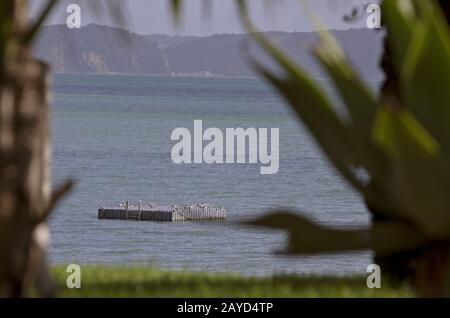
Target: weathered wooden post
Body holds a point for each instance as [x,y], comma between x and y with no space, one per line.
[140,211]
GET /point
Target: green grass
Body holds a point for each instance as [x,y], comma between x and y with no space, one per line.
[148,282]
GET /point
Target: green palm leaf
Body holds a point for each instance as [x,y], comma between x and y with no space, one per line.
[420,175]
[306,237]
[403,147]
[426,77]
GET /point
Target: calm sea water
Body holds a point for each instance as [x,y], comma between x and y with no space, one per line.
[112,134]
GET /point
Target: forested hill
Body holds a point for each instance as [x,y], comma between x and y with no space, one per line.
[107,50]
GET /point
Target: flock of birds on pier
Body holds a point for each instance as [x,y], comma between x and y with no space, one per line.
[151,205]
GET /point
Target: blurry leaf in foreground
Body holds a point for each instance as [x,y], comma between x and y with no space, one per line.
[420,175]
[409,178]
[426,77]
[176,9]
[400,25]
[306,237]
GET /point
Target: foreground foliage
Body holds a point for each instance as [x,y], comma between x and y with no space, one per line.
[148,282]
[394,150]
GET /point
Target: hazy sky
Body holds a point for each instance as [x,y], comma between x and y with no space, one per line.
[152,16]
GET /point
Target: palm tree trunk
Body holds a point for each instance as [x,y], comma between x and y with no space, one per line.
[25,198]
[24,170]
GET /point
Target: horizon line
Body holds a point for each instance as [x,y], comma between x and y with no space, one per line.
[123,28]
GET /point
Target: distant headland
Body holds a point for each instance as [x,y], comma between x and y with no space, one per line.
[96,49]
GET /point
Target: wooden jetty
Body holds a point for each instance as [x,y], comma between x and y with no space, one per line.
[155,212]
